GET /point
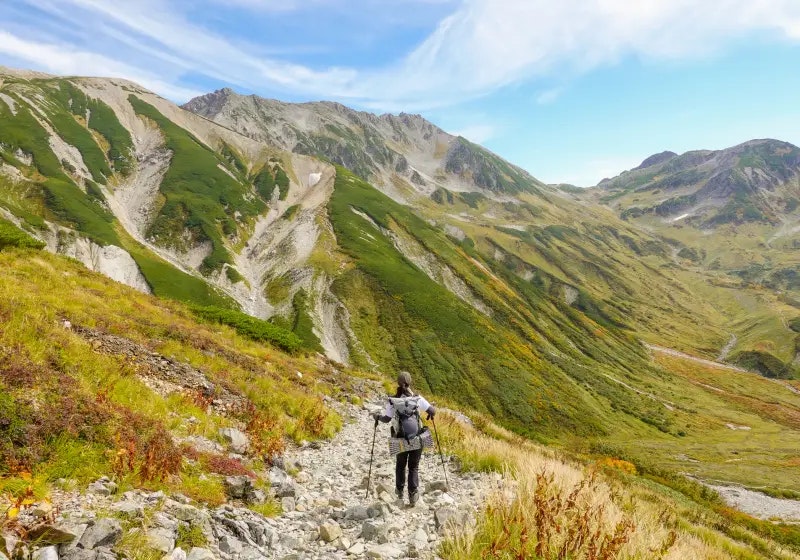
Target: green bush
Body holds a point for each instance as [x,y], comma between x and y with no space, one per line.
[762,362]
[303,325]
[255,329]
[169,282]
[12,236]
[102,120]
[73,207]
[264,183]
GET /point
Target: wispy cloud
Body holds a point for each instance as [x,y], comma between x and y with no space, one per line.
[549,95]
[478,133]
[482,45]
[588,173]
[66,60]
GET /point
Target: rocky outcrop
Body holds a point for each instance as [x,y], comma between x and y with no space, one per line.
[381,148]
[166,375]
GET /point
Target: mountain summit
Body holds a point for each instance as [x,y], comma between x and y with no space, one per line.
[402,154]
[756,181]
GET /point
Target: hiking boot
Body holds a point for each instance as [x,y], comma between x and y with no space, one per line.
[413,497]
[399,493]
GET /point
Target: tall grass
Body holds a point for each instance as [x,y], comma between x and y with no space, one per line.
[551,507]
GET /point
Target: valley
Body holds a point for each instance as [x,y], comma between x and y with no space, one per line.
[586,321]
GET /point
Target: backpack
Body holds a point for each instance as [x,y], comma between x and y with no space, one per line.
[406,422]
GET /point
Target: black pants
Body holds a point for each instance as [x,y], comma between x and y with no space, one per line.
[410,458]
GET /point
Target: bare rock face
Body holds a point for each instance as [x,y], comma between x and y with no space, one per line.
[378,148]
[751,182]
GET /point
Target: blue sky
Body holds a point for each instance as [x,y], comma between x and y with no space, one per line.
[571,90]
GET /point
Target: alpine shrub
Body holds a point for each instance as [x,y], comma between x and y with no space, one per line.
[255,329]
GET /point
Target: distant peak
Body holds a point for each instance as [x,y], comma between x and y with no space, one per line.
[655,159]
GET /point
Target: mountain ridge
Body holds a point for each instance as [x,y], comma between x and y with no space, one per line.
[416,153]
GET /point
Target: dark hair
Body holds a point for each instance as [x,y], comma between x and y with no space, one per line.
[404,385]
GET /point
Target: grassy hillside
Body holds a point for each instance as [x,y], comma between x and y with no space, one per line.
[106,413]
[598,507]
[731,220]
[111,418]
[203,190]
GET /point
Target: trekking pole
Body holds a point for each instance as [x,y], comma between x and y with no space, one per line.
[439,445]
[371,454]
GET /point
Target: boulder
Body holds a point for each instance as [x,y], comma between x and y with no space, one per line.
[377,532]
[229,544]
[377,509]
[330,531]
[197,553]
[102,487]
[177,554]
[185,512]
[103,532]
[383,551]
[288,504]
[105,554]
[237,440]
[238,487]
[47,535]
[435,485]
[46,553]
[79,554]
[358,513]
[128,508]
[356,550]
[448,517]
[161,539]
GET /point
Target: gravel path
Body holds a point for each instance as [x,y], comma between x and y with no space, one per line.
[331,491]
[758,504]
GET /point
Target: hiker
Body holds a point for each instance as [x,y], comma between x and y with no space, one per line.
[403,412]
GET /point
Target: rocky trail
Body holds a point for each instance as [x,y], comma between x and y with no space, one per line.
[325,512]
[332,517]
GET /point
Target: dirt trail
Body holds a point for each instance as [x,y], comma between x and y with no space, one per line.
[705,362]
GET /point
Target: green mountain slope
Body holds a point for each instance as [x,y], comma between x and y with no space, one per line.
[400,154]
[732,221]
[516,299]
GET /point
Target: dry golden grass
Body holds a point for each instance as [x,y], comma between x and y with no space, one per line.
[549,506]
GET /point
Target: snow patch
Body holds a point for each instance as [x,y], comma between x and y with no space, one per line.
[314,178]
[366,216]
[570,294]
[736,427]
[678,218]
[227,171]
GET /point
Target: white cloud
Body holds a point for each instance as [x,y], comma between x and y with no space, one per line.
[481,46]
[591,171]
[487,44]
[477,133]
[66,60]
